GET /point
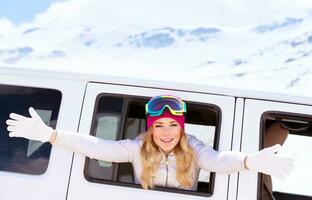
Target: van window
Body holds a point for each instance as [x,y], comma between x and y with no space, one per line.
[296,143]
[123,117]
[19,154]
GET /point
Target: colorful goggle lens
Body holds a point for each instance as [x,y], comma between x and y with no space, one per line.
[156,106]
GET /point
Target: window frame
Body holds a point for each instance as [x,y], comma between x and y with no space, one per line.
[280,115]
[121,131]
[52,123]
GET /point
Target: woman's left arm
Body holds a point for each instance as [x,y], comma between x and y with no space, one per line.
[265,161]
[212,160]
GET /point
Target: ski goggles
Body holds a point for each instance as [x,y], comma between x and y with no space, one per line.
[156,106]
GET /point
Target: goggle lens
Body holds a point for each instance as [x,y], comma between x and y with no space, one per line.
[157,105]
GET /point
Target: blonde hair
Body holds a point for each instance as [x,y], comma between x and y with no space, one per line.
[151,158]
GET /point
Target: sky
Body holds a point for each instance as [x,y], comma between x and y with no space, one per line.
[19,11]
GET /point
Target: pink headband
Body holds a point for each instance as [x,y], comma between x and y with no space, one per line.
[152,119]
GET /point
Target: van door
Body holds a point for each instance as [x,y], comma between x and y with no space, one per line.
[117,112]
[31,169]
[259,116]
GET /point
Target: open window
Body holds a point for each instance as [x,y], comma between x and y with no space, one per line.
[297,144]
[119,117]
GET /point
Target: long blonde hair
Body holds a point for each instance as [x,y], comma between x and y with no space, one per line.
[151,157]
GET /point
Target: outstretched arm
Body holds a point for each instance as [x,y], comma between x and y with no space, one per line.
[214,161]
[34,128]
[265,161]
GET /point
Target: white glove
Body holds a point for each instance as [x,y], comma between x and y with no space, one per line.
[32,128]
[268,162]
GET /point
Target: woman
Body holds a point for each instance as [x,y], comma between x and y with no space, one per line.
[163,156]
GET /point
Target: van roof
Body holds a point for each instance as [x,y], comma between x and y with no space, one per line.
[205,89]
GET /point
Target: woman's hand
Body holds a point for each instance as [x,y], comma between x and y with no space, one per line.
[268,162]
[32,128]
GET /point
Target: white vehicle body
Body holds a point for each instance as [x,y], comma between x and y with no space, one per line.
[240,129]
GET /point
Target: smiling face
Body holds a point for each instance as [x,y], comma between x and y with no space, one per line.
[166,134]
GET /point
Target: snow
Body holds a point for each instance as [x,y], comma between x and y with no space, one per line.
[256,45]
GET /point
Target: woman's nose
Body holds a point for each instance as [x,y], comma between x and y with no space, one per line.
[167,130]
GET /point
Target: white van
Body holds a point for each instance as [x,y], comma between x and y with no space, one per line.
[113,108]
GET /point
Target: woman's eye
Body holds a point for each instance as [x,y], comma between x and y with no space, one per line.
[157,126]
[174,124]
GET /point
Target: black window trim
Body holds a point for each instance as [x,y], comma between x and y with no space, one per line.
[126,98]
[53,121]
[279,115]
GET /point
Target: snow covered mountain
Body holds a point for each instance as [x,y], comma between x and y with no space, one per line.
[271,55]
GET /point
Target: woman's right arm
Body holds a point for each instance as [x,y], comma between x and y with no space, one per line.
[34,128]
[97,148]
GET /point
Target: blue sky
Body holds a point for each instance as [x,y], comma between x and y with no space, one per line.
[19,11]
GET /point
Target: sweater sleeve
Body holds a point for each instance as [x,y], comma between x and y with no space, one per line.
[97,148]
[211,160]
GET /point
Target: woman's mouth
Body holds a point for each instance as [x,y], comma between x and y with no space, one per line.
[167,140]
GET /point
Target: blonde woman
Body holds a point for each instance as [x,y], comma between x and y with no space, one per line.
[164,156]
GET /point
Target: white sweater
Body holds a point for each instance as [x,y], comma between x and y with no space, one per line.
[129,151]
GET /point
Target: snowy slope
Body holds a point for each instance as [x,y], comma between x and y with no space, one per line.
[259,45]
[227,45]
